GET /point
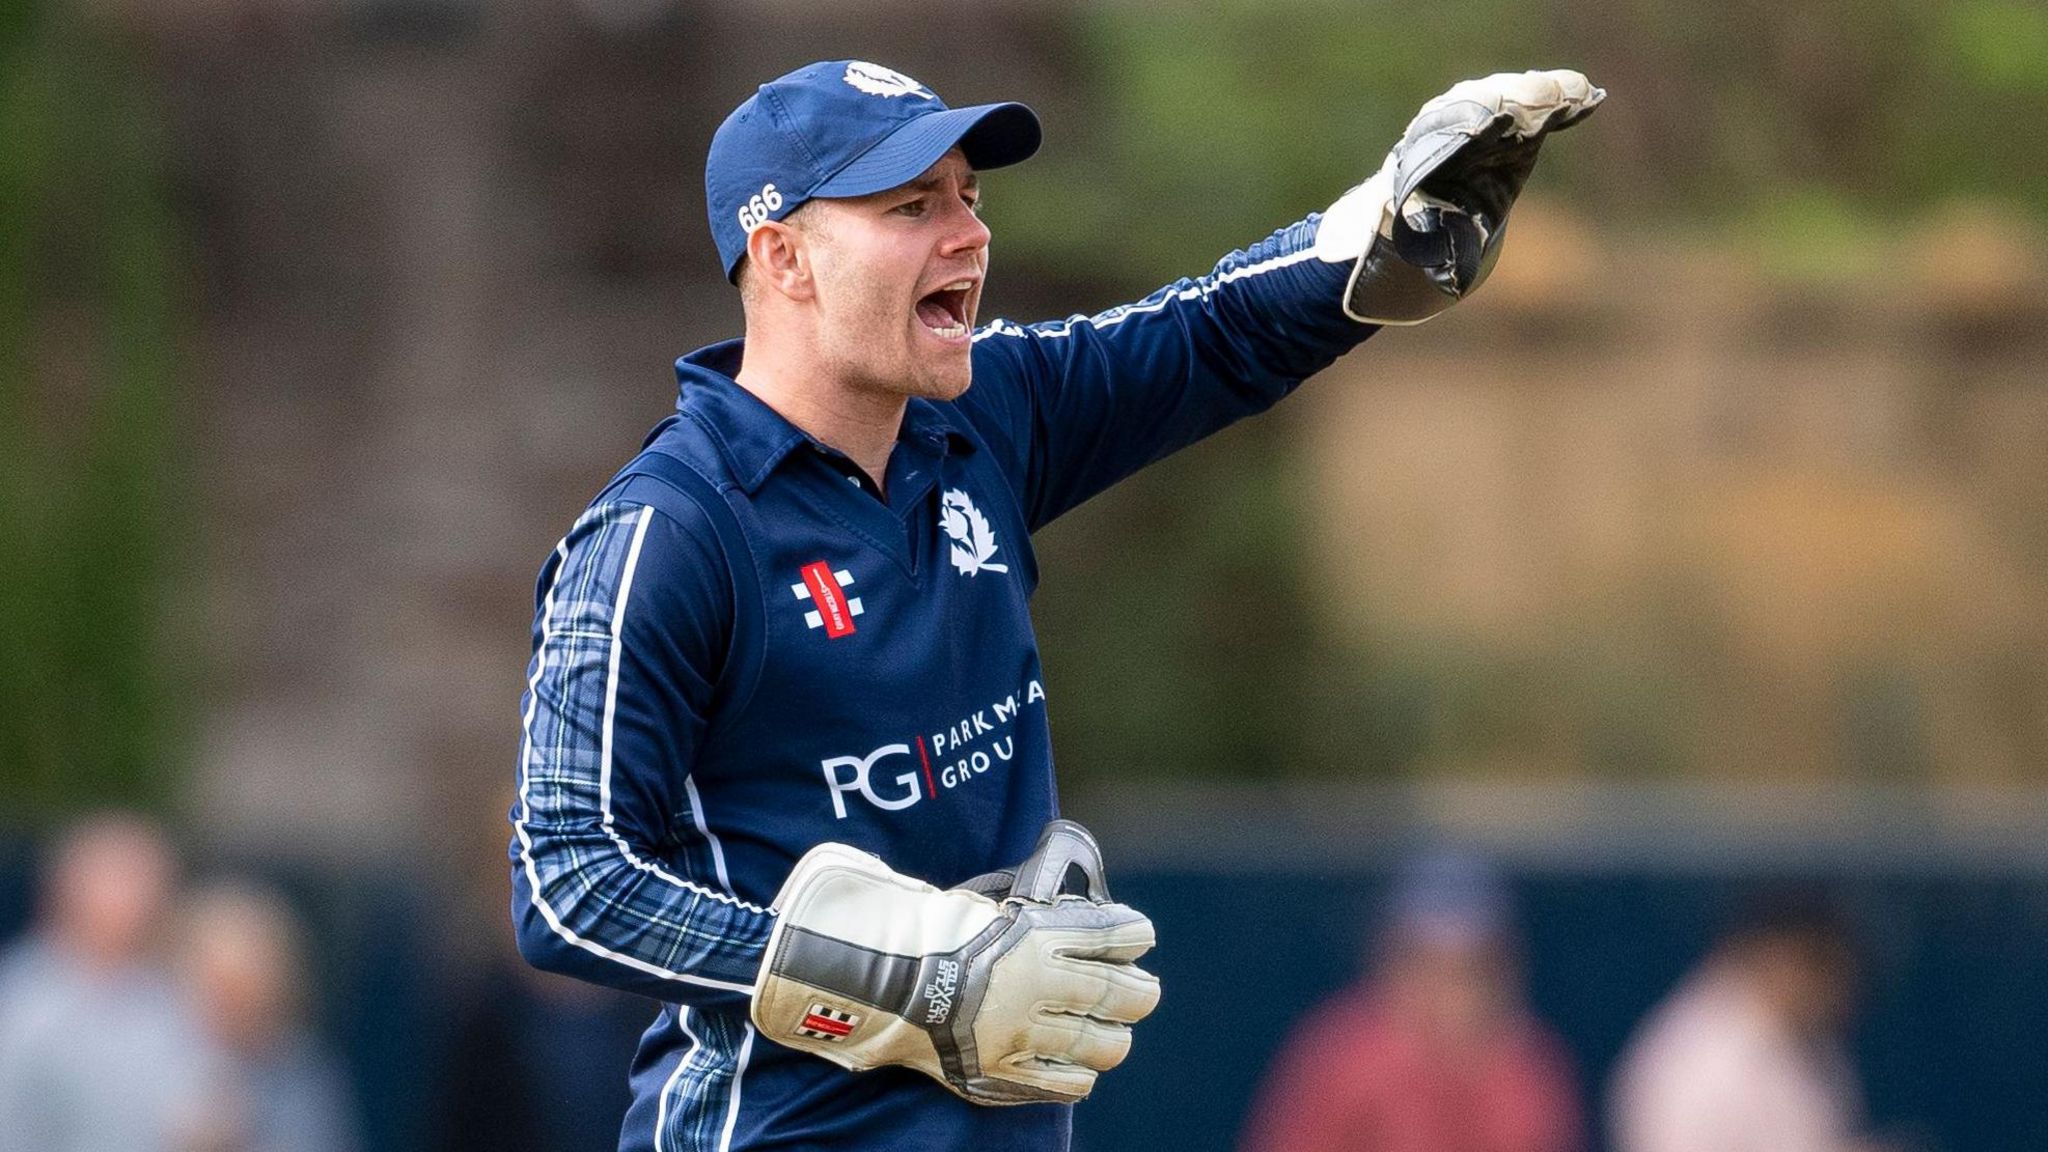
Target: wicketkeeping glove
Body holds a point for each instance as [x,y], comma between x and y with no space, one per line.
[1005,1001]
[1425,230]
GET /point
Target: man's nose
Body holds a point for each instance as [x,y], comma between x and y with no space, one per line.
[966,233]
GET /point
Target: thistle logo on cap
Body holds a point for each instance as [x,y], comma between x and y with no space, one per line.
[876,80]
[839,129]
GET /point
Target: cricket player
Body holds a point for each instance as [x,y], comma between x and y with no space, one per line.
[785,764]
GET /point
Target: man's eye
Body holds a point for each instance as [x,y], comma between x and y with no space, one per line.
[913,208]
[973,204]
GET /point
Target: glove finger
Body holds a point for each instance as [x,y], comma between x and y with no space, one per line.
[1561,99]
[1532,103]
[1509,91]
[1503,93]
[1578,94]
[1078,1040]
[1067,1080]
[1537,89]
[1117,993]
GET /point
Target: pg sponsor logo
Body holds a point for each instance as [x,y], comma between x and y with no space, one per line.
[898,775]
[845,774]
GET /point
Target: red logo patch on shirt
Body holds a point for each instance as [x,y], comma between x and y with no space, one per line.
[822,586]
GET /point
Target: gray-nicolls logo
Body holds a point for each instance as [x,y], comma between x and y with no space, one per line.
[938,994]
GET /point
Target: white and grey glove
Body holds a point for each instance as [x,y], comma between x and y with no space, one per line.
[1453,177]
[1011,1001]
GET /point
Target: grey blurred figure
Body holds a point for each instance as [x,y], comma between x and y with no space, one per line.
[1747,1052]
[97,1051]
[273,1086]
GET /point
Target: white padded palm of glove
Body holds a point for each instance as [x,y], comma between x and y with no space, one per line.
[1453,177]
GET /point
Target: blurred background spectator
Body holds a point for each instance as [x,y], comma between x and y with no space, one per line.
[1435,1048]
[1748,1052]
[273,1086]
[98,1053]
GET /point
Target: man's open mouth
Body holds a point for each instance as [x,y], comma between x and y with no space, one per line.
[945,311]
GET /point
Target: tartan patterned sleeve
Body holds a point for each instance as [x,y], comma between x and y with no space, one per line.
[612,881]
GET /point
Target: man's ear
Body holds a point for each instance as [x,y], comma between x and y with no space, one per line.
[781,258]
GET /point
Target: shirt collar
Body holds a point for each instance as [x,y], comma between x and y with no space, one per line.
[755,438]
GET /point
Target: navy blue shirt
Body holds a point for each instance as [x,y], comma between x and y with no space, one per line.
[740,652]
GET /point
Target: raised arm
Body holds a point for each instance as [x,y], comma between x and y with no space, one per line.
[1075,405]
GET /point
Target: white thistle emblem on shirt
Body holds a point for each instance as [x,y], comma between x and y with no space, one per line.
[974,542]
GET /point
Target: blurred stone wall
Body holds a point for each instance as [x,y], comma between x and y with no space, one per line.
[1700,518]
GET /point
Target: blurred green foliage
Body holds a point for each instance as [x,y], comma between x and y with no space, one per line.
[90,495]
[2000,46]
[1203,125]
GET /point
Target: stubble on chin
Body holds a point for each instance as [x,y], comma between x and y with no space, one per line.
[948,381]
[924,381]
[930,376]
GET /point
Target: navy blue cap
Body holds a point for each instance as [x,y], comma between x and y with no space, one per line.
[842,128]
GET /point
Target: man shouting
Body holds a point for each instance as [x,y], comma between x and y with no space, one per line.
[786,764]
